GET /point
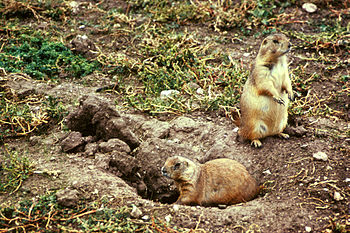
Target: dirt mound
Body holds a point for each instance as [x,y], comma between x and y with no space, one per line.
[101,132]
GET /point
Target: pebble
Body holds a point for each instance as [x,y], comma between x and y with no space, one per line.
[308,229]
[320,156]
[200,91]
[168,218]
[168,93]
[309,7]
[347,180]
[337,196]
[146,218]
[176,207]
[267,172]
[135,212]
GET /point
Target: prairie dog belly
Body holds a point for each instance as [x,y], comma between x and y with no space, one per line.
[268,116]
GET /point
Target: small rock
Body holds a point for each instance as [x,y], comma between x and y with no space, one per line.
[235,130]
[304,146]
[146,218]
[308,229]
[135,212]
[347,180]
[337,196]
[267,172]
[176,207]
[320,156]
[89,139]
[298,131]
[91,149]
[309,7]
[74,6]
[168,218]
[72,142]
[168,93]
[222,206]
[114,144]
[67,197]
[81,44]
[200,91]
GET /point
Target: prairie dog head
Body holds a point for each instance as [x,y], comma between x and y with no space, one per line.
[179,168]
[273,47]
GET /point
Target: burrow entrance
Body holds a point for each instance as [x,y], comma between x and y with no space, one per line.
[135,147]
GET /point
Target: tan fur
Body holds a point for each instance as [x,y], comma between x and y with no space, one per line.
[219,181]
[265,98]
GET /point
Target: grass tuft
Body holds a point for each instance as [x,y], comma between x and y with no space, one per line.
[23,114]
[14,169]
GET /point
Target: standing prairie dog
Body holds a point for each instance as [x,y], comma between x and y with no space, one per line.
[219,181]
[265,98]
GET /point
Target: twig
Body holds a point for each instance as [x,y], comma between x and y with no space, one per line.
[79,215]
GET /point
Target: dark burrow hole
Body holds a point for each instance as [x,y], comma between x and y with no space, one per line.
[98,131]
[128,168]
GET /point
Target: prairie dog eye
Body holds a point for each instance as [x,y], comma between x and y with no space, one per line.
[177,166]
[276,41]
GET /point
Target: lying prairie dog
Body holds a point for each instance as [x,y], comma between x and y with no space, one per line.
[217,182]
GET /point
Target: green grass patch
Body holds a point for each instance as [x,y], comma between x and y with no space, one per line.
[175,61]
[43,59]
